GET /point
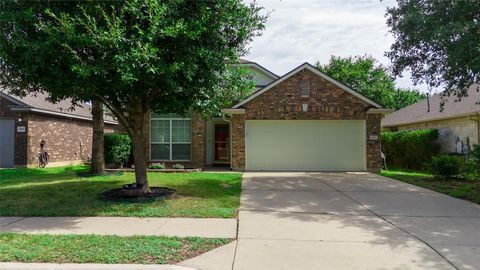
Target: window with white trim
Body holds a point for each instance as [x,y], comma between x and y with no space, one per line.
[170,137]
[305,88]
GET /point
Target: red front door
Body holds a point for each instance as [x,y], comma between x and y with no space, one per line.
[221,144]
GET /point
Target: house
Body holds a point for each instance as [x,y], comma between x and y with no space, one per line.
[303,120]
[458,123]
[26,121]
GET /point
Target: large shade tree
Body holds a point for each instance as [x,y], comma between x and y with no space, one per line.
[24,18]
[136,56]
[373,80]
[438,41]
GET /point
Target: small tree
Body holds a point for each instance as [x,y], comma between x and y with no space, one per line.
[373,80]
[136,56]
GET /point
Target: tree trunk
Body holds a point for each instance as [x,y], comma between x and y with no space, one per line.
[146,135]
[138,143]
[98,156]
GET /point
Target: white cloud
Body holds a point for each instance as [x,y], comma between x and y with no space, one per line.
[301,31]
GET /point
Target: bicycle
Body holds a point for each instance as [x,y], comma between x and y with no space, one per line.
[43,156]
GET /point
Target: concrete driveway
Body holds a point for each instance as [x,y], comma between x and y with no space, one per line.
[351,221]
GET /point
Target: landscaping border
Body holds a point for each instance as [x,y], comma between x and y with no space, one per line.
[157,170]
[88,266]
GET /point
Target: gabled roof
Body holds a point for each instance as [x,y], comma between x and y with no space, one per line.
[419,112]
[37,102]
[243,62]
[315,71]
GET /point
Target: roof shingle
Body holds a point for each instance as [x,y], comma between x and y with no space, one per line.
[39,101]
[418,112]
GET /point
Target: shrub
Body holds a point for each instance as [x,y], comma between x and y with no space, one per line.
[469,170]
[475,159]
[446,166]
[178,166]
[156,165]
[118,148]
[410,149]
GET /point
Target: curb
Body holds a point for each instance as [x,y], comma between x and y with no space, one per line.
[88,266]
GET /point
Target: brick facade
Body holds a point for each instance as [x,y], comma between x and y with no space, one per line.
[374,160]
[68,140]
[238,142]
[326,101]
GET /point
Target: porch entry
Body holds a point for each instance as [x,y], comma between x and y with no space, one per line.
[221,144]
[217,143]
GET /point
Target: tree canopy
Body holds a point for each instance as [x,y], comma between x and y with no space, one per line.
[136,56]
[366,75]
[438,41]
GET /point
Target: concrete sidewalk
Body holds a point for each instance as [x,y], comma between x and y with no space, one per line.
[122,226]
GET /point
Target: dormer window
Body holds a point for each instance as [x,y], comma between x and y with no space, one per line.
[305,88]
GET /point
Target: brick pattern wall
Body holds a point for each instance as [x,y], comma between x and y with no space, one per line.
[21,140]
[68,140]
[238,142]
[374,159]
[325,102]
[198,141]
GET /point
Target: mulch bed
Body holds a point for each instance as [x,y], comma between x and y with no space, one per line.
[120,194]
[156,170]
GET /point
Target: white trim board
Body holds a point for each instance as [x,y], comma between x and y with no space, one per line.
[11,99]
[35,110]
[315,71]
[259,67]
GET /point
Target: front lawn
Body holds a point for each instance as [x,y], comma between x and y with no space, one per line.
[61,192]
[460,188]
[102,249]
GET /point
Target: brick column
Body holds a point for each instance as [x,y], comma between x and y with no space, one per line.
[21,141]
[198,141]
[238,142]
[374,159]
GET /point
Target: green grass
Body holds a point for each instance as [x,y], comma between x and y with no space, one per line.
[61,192]
[101,249]
[459,188]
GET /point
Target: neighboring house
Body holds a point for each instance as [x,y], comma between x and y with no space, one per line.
[26,121]
[304,120]
[458,123]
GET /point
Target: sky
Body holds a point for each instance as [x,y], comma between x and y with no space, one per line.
[299,31]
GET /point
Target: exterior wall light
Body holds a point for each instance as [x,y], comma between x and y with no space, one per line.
[304,107]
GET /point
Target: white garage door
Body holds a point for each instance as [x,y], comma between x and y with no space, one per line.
[308,145]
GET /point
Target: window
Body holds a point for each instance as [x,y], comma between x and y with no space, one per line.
[305,88]
[170,137]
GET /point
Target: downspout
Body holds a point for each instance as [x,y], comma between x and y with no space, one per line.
[476,118]
[478,128]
